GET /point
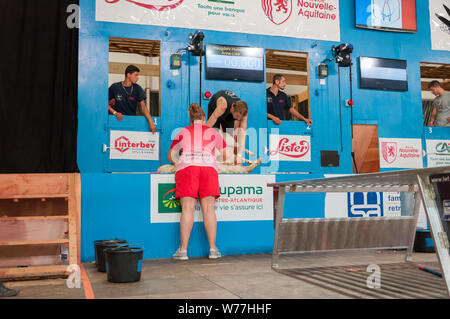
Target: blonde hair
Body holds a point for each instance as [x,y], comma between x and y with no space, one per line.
[195,112]
[241,107]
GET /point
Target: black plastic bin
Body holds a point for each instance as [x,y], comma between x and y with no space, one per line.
[124,264]
[100,246]
[423,242]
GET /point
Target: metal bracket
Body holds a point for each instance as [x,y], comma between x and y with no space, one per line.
[443,240]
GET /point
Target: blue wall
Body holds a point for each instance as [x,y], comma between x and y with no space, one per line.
[118,205]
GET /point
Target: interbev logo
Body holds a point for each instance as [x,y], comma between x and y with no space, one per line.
[123,144]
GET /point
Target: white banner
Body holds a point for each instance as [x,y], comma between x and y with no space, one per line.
[438,153]
[134,145]
[290,148]
[367,204]
[312,19]
[440,24]
[242,197]
[400,153]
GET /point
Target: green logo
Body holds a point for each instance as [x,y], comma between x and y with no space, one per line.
[166,199]
[442,148]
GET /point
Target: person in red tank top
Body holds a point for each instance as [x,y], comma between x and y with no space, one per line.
[196,177]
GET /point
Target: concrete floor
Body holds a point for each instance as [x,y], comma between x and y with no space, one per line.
[231,277]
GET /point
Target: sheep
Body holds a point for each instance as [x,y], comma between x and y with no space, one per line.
[226,166]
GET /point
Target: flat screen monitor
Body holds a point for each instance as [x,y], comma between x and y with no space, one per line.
[383,74]
[387,15]
[234,63]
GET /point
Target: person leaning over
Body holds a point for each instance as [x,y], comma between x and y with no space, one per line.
[278,101]
[229,113]
[440,115]
[196,177]
[124,97]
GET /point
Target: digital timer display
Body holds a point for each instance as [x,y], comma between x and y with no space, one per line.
[224,62]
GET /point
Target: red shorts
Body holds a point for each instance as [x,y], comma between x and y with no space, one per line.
[197,182]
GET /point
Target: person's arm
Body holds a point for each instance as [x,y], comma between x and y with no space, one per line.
[432,116]
[275,119]
[220,109]
[240,133]
[294,112]
[111,103]
[146,113]
[171,156]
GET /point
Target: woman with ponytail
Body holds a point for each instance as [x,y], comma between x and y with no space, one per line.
[196,177]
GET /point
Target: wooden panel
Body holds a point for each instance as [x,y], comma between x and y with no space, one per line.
[12,256]
[150,48]
[32,271]
[145,69]
[33,242]
[32,184]
[23,230]
[33,207]
[365,147]
[73,218]
[445,85]
[291,79]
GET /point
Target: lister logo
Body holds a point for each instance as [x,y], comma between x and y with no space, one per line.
[158,5]
[291,148]
[122,144]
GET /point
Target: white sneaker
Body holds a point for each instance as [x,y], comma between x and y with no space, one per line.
[214,254]
[180,255]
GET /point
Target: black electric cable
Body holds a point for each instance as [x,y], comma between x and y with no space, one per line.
[340,111]
[189,77]
[351,98]
[200,67]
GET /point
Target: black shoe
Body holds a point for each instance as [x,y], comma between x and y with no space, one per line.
[6,292]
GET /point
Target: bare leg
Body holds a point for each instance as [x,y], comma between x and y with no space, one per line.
[209,219]
[187,220]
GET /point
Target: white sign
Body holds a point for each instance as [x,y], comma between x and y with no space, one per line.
[400,153]
[242,197]
[312,19]
[290,148]
[134,145]
[438,153]
[440,25]
[367,204]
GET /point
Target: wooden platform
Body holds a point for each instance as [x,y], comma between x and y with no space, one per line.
[39,214]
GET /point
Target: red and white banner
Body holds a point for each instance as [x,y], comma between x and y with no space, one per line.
[312,19]
[440,24]
[400,153]
[290,148]
[134,145]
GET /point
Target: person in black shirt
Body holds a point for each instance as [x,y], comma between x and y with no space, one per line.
[229,113]
[278,102]
[124,97]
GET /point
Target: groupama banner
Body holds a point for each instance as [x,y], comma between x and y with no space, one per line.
[241,198]
[312,19]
